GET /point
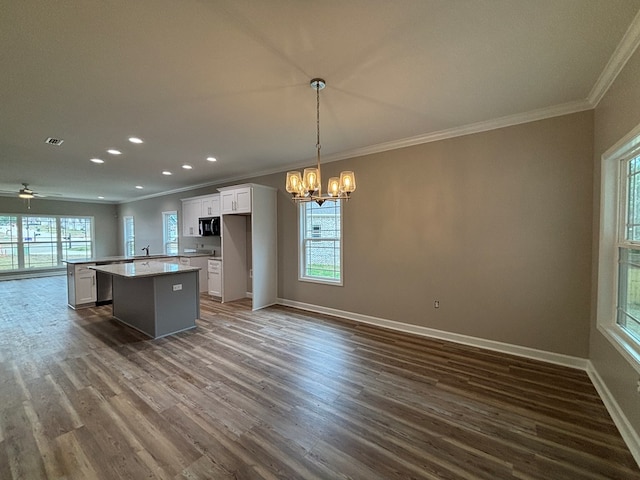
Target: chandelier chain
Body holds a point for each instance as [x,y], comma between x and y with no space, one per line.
[318,122]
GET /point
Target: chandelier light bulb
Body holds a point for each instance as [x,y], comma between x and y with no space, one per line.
[333,188]
[347,182]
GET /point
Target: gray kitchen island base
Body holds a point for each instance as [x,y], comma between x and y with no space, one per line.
[156,299]
[150,304]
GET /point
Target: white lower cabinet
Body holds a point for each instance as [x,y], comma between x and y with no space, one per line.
[81,285]
[215,277]
[202,274]
[85,285]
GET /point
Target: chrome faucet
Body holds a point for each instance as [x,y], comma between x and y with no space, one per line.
[146,250]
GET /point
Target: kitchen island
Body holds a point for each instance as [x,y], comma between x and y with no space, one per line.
[155,298]
[88,288]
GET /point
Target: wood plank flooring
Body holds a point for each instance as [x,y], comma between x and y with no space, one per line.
[280,394]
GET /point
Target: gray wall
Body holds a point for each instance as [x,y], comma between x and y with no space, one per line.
[147,216]
[616,115]
[496,226]
[105,217]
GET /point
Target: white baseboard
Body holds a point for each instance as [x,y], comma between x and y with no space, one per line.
[532,353]
[629,435]
[37,274]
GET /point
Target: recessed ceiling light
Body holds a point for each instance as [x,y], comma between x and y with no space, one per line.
[166,172]
[97,160]
[101,197]
[187,167]
[135,140]
[113,151]
[139,187]
[211,159]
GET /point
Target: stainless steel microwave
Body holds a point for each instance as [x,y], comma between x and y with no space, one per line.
[209,226]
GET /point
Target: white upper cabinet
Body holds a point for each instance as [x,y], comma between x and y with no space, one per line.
[211,206]
[195,208]
[235,200]
[191,210]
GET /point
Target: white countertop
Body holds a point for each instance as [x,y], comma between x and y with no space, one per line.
[125,258]
[143,269]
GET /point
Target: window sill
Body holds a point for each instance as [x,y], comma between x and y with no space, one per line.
[335,283]
[624,343]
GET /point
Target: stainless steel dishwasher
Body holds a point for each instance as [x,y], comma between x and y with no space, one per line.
[104,284]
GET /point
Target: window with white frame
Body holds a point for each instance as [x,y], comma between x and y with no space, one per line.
[321,242]
[40,242]
[170,232]
[129,236]
[628,305]
[618,313]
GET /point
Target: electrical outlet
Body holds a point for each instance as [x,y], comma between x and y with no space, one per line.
[177,287]
[436,304]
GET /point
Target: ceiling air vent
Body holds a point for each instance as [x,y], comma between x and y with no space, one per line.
[54,141]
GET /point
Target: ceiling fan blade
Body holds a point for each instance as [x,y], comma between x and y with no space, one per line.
[47,194]
[26,190]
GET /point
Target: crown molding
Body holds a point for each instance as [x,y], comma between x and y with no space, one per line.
[616,63]
[625,49]
[507,121]
[494,124]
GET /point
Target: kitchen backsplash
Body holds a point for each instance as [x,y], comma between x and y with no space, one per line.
[201,243]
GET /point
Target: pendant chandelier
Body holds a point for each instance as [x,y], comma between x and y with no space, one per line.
[307,187]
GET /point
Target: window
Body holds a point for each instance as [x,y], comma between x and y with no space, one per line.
[9,243]
[170,232]
[618,313]
[628,308]
[39,242]
[33,242]
[129,237]
[321,242]
[77,238]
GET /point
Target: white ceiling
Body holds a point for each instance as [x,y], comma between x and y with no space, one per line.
[230,78]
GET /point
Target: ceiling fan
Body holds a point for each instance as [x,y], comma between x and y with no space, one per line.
[27,193]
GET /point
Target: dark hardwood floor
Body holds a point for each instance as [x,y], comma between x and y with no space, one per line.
[280,393]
